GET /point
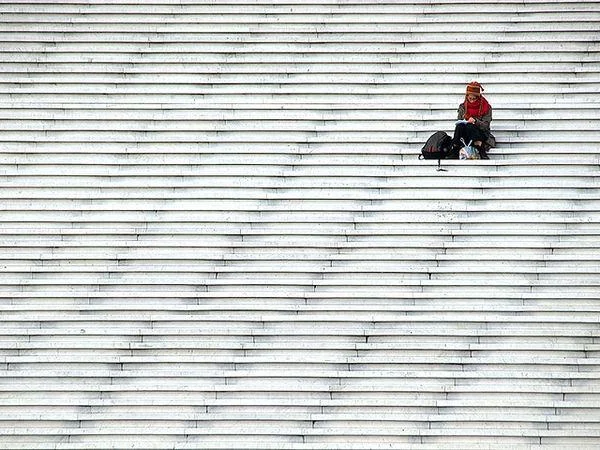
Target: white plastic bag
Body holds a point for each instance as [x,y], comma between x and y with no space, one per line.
[468,151]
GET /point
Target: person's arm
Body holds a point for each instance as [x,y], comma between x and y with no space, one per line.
[484,122]
[461,111]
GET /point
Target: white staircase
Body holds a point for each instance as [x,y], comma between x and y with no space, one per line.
[215,231]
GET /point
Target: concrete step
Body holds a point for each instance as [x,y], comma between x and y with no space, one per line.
[126,68]
[294,7]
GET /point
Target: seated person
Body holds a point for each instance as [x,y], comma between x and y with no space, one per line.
[475,115]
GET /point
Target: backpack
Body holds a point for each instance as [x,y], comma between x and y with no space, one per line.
[438,146]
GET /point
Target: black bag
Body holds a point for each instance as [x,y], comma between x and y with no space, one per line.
[438,146]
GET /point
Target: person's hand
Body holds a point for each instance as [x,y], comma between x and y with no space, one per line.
[471,120]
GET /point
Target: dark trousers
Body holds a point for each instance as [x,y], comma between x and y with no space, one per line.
[468,132]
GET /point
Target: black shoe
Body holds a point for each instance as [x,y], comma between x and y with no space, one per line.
[482,152]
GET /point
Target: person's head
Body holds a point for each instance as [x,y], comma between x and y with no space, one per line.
[474,90]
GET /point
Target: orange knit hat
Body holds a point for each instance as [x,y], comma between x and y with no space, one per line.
[474,88]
